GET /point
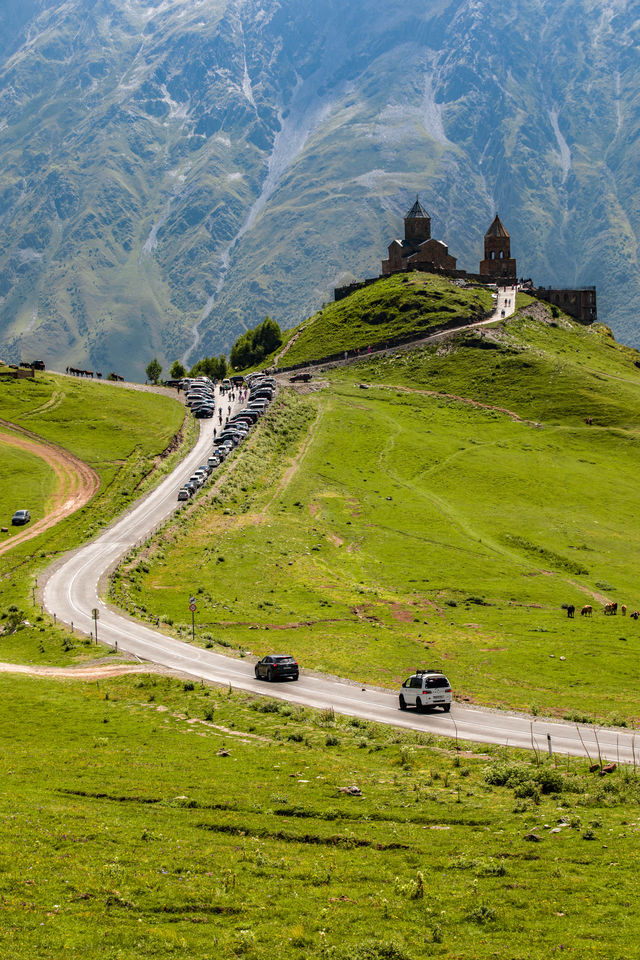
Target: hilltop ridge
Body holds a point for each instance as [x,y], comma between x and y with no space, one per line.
[395,309]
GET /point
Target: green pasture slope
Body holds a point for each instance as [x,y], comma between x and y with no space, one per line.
[398,306]
[441,517]
[121,434]
[143,841]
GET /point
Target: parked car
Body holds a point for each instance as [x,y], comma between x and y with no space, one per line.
[277,666]
[184,493]
[20,517]
[426,689]
[250,414]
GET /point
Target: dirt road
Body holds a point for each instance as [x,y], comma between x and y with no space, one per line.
[77,482]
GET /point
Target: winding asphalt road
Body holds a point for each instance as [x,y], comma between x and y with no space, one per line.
[71,592]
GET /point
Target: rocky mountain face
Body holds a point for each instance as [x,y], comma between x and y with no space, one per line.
[174,170]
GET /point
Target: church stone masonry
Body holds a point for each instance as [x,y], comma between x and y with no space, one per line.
[419,250]
[498,262]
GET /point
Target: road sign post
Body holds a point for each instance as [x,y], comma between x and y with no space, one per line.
[193,608]
[95,613]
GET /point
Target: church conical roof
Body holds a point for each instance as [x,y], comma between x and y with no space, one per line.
[417,211]
[496,229]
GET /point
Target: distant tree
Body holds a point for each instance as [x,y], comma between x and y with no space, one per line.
[213,367]
[177,371]
[253,345]
[242,352]
[268,335]
[154,370]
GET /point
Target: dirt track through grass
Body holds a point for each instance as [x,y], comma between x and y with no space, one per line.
[77,482]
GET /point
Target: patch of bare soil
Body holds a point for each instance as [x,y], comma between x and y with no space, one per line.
[600,597]
[335,540]
[83,672]
[398,612]
[77,482]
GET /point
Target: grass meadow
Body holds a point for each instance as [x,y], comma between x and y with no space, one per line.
[120,433]
[155,817]
[441,517]
[37,484]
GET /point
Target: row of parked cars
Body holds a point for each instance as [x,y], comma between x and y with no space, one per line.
[261,392]
[200,393]
[200,396]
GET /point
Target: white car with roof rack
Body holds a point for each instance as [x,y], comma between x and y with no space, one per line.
[426,689]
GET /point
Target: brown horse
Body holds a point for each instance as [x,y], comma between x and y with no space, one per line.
[611,609]
[586,611]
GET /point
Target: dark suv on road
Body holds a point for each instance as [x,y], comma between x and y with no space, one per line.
[277,666]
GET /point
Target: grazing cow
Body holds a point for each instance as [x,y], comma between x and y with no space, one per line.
[586,611]
[610,609]
[635,614]
[623,610]
[571,611]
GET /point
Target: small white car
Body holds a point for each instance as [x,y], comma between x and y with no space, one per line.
[426,689]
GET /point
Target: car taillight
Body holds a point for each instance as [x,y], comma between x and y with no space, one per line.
[448,690]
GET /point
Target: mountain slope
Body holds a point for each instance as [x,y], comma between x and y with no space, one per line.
[199,165]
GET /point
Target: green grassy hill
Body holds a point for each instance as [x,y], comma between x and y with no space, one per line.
[399,307]
[441,517]
[122,434]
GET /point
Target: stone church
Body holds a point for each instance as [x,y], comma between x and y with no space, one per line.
[498,262]
[419,250]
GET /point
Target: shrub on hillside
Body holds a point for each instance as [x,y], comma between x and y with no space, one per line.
[213,367]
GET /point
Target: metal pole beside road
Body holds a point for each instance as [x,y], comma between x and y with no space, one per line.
[193,608]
